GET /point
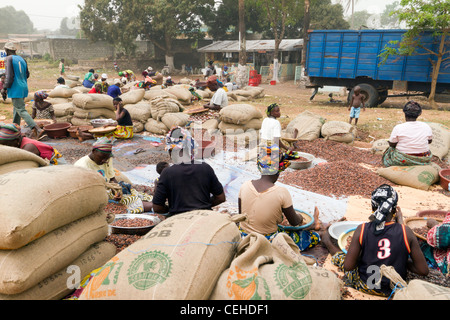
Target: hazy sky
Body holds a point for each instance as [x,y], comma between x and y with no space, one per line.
[47,14]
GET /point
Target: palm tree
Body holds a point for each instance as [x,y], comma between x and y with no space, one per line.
[347,4]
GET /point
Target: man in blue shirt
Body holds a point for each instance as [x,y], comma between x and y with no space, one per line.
[16,86]
[114,90]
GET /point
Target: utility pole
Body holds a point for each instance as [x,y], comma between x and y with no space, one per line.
[241,77]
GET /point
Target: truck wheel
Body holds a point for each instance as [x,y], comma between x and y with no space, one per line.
[369,92]
[382,96]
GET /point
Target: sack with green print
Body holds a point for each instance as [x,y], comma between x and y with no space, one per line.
[263,270]
[419,177]
[179,259]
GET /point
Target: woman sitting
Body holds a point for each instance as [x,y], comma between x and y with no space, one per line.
[101,160]
[89,80]
[265,204]
[42,109]
[383,241]
[125,124]
[409,141]
[10,135]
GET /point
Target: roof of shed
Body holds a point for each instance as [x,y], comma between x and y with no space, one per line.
[252,45]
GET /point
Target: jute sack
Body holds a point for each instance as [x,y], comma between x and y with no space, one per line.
[162,106]
[441,140]
[24,268]
[183,94]
[380,146]
[239,113]
[422,290]
[156,127]
[158,78]
[339,131]
[419,177]
[203,94]
[140,111]
[272,271]
[133,96]
[37,201]
[72,77]
[14,159]
[64,109]
[93,101]
[80,122]
[55,287]
[64,119]
[82,89]
[180,259]
[73,84]
[138,126]
[255,92]
[185,81]
[158,93]
[231,96]
[96,113]
[175,119]
[229,128]
[55,101]
[243,93]
[62,93]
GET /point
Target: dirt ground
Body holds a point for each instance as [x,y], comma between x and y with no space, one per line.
[374,123]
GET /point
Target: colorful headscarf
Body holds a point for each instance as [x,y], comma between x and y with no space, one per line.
[181,140]
[384,201]
[272,161]
[270,108]
[9,131]
[40,95]
[103,144]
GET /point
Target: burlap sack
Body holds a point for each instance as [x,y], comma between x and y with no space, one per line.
[162,106]
[255,92]
[204,94]
[64,119]
[37,201]
[380,146]
[180,259]
[339,131]
[55,287]
[422,290]
[231,96]
[156,127]
[419,177]
[80,122]
[73,84]
[175,119]
[14,159]
[133,96]
[244,93]
[158,93]
[140,111]
[55,101]
[97,113]
[93,101]
[62,93]
[209,125]
[138,126]
[82,89]
[72,77]
[239,113]
[308,124]
[183,94]
[64,109]
[229,128]
[24,268]
[272,271]
[441,140]
[159,78]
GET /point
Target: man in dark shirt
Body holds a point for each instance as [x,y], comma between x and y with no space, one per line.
[187,185]
[114,90]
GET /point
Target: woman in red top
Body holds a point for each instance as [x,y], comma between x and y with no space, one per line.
[10,135]
[97,88]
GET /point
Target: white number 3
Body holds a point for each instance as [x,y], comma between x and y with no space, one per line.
[385,250]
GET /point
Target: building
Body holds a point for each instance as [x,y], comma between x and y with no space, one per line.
[260,55]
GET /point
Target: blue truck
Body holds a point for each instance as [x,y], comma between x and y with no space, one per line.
[348,58]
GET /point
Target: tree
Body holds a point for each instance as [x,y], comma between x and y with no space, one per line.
[162,21]
[350,4]
[387,20]
[360,19]
[111,21]
[421,16]
[12,21]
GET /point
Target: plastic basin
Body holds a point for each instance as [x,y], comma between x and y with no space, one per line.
[57,130]
[299,165]
[273,82]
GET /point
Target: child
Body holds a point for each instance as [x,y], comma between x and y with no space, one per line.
[62,70]
[159,169]
[125,124]
[61,83]
[356,102]
[42,109]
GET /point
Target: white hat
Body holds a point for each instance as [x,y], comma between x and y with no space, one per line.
[149,68]
[10,46]
[124,80]
[104,76]
[117,81]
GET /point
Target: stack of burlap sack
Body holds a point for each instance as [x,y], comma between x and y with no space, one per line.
[419,177]
[246,94]
[92,106]
[52,231]
[220,265]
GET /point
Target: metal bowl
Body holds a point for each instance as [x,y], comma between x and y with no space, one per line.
[299,165]
[134,230]
[97,123]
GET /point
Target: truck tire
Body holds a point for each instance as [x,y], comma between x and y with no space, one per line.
[382,96]
[370,92]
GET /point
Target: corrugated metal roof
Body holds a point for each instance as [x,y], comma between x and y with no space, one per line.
[252,45]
